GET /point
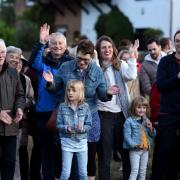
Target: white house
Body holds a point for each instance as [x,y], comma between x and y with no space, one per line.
[161,14]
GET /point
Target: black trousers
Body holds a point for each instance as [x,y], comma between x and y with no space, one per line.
[7,157]
[45,140]
[166,161]
[111,127]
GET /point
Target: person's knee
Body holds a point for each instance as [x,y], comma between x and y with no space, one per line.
[134,170]
[65,175]
[82,173]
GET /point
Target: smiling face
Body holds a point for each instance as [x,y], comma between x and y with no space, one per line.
[13,59]
[57,45]
[106,51]
[83,60]
[140,110]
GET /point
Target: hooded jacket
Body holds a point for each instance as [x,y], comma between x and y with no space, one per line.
[148,73]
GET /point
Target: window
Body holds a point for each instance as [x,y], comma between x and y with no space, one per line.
[30,2]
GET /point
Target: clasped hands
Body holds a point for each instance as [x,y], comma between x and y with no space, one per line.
[78,129]
[7,119]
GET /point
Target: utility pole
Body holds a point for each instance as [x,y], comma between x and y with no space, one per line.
[171,19]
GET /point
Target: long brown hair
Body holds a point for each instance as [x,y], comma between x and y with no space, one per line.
[115,62]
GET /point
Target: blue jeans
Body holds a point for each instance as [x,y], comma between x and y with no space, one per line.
[67,162]
[7,157]
[138,161]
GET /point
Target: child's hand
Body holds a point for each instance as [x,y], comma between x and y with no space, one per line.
[69,129]
[139,146]
[79,128]
[149,125]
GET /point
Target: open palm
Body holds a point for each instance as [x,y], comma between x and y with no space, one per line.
[44,33]
[48,76]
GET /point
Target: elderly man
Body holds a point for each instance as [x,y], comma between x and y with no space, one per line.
[48,61]
[11,112]
[149,66]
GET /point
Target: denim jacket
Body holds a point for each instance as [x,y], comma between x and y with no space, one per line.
[133,132]
[68,117]
[94,82]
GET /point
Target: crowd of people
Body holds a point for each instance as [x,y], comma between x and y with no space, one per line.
[87,104]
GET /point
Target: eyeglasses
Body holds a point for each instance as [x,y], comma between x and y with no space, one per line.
[86,61]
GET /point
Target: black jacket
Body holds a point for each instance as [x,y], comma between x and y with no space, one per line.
[168,84]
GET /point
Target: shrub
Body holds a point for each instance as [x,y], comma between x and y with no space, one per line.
[7,33]
[152,33]
[116,25]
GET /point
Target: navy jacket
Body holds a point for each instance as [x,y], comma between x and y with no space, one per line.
[168,84]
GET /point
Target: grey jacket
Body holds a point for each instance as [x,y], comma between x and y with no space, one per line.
[148,73]
[11,98]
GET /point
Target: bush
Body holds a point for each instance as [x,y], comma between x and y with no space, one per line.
[152,33]
[27,34]
[116,25]
[7,33]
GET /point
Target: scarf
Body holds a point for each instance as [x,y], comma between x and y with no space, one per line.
[122,97]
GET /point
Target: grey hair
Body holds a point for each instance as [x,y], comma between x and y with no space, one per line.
[13,49]
[53,35]
[2,44]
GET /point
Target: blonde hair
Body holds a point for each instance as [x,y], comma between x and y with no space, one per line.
[139,101]
[78,85]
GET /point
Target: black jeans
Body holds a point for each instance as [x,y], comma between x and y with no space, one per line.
[111,127]
[7,157]
[47,146]
[166,152]
[35,160]
[24,162]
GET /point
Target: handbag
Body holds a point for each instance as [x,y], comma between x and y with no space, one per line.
[51,124]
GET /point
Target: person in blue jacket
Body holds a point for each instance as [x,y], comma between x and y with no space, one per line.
[84,69]
[137,132]
[73,122]
[46,101]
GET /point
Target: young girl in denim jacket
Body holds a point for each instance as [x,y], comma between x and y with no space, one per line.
[73,123]
[137,131]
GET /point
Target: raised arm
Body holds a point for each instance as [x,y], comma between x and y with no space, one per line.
[129,68]
[36,57]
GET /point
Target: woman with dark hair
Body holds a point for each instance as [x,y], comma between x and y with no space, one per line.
[113,113]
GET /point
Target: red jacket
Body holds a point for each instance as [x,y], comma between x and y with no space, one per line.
[154,102]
